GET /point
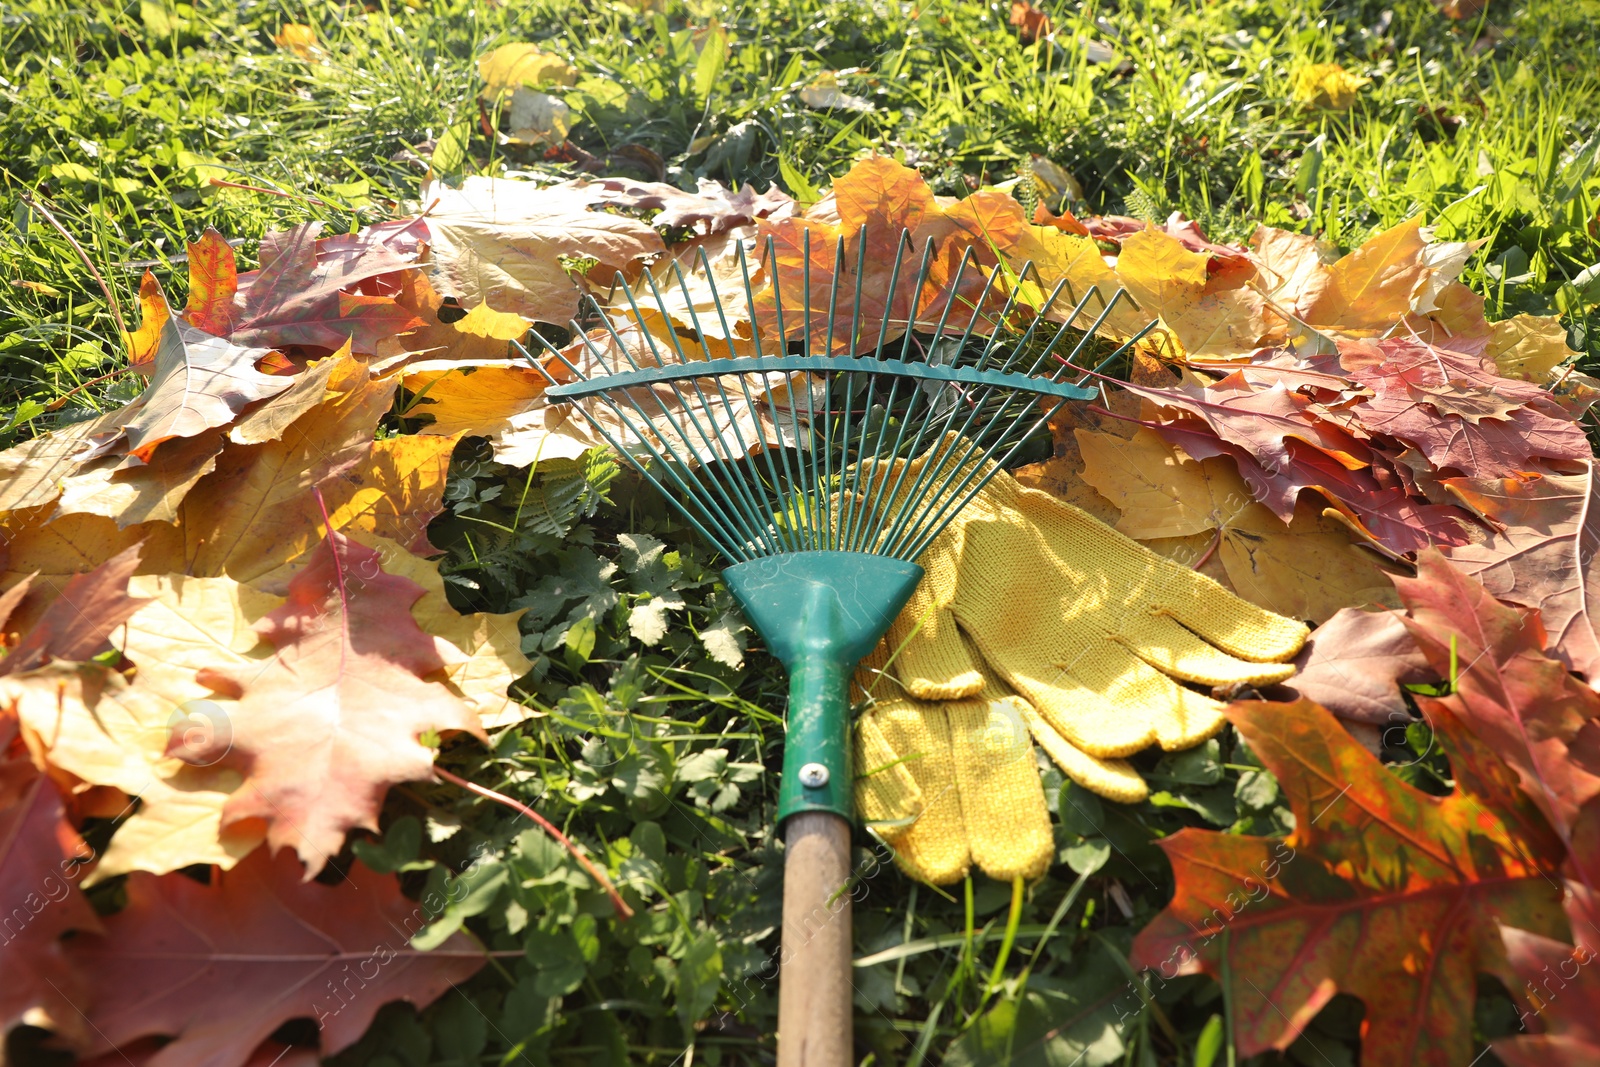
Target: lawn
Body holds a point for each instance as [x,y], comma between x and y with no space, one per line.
[126,131]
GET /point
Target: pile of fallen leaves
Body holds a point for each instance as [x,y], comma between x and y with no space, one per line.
[229,637]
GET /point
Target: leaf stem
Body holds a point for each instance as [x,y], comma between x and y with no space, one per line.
[548,827]
[111,299]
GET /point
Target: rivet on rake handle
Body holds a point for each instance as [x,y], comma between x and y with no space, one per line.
[822,526]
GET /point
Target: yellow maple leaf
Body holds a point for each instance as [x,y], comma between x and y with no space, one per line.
[1326,85]
[1170,281]
[471,396]
[301,40]
[513,65]
[1308,569]
[1529,347]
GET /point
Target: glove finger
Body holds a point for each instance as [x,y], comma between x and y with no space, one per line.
[1163,643]
[1113,779]
[1002,800]
[1177,717]
[929,839]
[924,644]
[1229,622]
[887,796]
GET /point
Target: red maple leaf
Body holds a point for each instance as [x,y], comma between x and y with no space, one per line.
[217,968]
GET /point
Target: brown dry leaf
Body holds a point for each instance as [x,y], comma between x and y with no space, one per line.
[57,551]
[482,653]
[1292,268]
[324,728]
[200,381]
[311,387]
[1308,569]
[1529,347]
[1354,664]
[500,242]
[256,513]
[712,209]
[76,624]
[477,397]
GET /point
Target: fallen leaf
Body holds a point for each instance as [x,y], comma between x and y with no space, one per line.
[536,118]
[500,242]
[213,281]
[301,41]
[1031,23]
[40,857]
[1355,663]
[31,473]
[1513,697]
[153,316]
[333,719]
[477,397]
[77,623]
[825,93]
[219,967]
[101,731]
[1541,554]
[1170,280]
[1529,347]
[1307,569]
[480,333]
[713,208]
[142,492]
[307,291]
[1326,85]
[482,652]
[513,65]
[1389,277]
[1382,891]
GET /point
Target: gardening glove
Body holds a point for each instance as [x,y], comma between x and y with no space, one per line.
[951,783]
[1094,630]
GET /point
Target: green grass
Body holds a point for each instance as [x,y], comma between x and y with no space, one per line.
[114,120]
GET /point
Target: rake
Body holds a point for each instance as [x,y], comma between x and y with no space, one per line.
[782,453]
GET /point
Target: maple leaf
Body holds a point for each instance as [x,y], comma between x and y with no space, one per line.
[153,315]
[1355,663]
[134,491]
[219,967]
[1170,280]
[79,620]
[333,719]
[1524,704]
[500,242]
[1529,347]
[1389,277]
[1540,554]
[482,652]
[853,243]
[40,857]
[514,65]
[1031,23]
[256,512]
[1519,423]
[713,208]
[302,295]
[213,281]
[482,333]
[1307,569]
[1326,85]
[1382,891]
[479,396]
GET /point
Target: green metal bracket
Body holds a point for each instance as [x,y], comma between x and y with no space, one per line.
[819,613]
[894,368]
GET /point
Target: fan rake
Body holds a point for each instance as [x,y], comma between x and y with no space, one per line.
[781,451]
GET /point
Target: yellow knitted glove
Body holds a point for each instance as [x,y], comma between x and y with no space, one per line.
[951,784]
[1092,628]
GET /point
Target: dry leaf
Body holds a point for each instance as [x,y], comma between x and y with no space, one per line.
[477,397]
[219,967]
[514,65]
[323,729]
[1529,347]
[1355,663]
[1326,85]
[500,242]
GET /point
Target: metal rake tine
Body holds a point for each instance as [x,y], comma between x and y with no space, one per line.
[794,407]
[994,339]
[730,519]
[863,517]
[1049,349]
[744,386]
[811,407]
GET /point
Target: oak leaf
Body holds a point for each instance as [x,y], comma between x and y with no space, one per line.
[333,719]
[1382,891]
[217,968]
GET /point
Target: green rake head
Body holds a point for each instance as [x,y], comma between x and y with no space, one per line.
[772,446]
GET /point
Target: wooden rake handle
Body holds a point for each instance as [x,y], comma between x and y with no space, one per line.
[814,992]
